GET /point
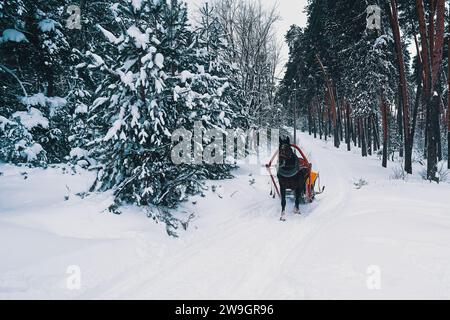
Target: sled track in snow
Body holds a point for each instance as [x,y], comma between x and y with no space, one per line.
[253,246]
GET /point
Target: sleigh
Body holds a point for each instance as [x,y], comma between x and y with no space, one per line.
[311,182]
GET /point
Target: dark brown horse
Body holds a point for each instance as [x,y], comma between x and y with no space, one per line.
[290,175]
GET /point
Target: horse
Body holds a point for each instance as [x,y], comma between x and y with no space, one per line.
[290,175]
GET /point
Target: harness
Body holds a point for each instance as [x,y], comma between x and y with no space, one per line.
[291,170]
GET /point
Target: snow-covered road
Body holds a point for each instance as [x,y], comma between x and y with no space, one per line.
[389,232]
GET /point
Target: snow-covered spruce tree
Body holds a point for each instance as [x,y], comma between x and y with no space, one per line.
[218,100]
[158,80]
[83,80]
[371,79]
[205,87]
[80,134]
[16,142]
[13,43]
[33,50]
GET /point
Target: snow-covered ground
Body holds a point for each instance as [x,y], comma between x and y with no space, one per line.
[390,233]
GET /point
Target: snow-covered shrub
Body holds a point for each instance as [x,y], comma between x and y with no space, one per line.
[35,133]
[18,146]
[47,120]
[399,173]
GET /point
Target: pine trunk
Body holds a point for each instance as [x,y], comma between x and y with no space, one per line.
[358,127]
[347,127]
[340,120]
[310,120]
[295,121]
[353,130]
[363,138]
[425,43]
[384,120]
[320,120]
[325,123]
[438,42]
[377,132]
[330,127]
[332,103]
[393,15]
[433,131]
[400,126]
[369,135]
[314,120]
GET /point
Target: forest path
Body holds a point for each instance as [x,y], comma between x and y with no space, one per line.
[236,247]
[242,248]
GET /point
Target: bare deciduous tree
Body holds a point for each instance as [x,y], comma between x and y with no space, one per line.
[253,48]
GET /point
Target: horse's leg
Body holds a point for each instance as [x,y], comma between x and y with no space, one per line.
[298,194]
[283,198]
[304,187]
[283,201]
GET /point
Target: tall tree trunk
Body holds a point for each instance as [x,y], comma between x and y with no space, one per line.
[295,119]
[425,146]
[320,115]
[314,115]
[330,126]
[358,126]
[353,130]
[310,119]
[376,133]
[336,124]
[438,47]
[400,125]
[362,131]
[432,48]
[432,140]
[331,101]
[441,113]
[439,141]
[393,16]
[384,119]
[425,53]
[339,120]
[320,125]
[325,119]
[448,108]
[369,134]
[347,127]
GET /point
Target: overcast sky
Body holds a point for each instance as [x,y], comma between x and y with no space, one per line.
[291,12]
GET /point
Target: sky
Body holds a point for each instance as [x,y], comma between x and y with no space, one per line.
[290,11]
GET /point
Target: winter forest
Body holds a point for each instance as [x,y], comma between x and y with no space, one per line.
[93,95]
[363,87]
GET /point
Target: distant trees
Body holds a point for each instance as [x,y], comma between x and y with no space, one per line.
[250,32]
[384,103]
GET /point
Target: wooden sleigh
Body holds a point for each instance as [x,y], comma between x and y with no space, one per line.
[311,181]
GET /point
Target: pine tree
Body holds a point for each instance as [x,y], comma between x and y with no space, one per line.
[160,78]
[34,54]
